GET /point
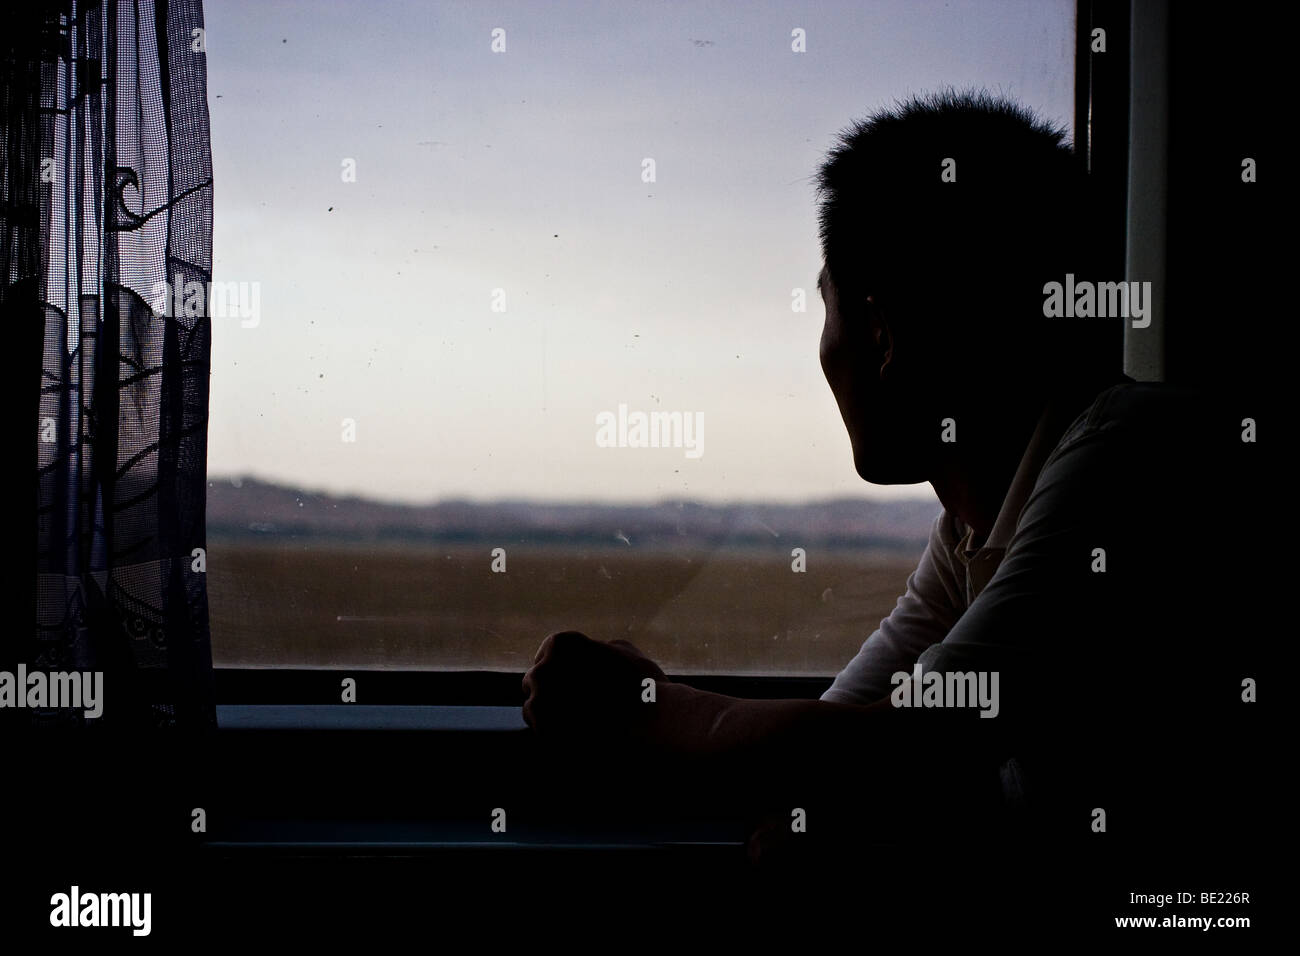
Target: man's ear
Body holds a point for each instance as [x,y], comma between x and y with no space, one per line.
[882,336]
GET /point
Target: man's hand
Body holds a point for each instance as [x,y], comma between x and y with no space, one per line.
[580,690]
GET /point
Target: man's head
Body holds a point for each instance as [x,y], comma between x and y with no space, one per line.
[941,219]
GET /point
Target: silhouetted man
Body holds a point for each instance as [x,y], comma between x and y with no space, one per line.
[1059,650]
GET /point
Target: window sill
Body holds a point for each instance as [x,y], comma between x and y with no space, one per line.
[421,717]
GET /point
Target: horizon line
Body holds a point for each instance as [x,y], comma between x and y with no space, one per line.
[231,479]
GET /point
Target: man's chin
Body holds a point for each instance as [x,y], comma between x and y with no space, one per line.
[876,471]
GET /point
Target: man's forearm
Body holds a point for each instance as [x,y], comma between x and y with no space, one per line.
[695,723]
[821,737]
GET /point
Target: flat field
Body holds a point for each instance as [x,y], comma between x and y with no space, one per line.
[308,604]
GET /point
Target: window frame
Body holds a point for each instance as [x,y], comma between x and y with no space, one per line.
[1101,136]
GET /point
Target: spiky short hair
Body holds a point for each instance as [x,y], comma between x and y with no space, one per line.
[1013,219]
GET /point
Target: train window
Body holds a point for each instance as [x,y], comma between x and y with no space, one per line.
[520,331]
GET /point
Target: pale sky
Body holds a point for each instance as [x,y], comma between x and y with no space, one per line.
[522,171]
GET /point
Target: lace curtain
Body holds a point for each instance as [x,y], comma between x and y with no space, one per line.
[105,206]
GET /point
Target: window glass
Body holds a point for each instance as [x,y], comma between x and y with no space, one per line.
[465,248]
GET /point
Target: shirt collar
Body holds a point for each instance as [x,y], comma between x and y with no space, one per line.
[1047,432]
[1052,423]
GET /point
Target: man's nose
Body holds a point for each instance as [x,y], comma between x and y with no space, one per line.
[827,349]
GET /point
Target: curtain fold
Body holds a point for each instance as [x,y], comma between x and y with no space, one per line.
[105,227]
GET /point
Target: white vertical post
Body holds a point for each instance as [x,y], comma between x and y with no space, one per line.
[1148,183]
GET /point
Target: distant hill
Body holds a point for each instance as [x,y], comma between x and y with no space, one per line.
[248,507]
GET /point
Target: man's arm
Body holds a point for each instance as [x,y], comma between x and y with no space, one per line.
[580,692]
[700,724]
[927,610]
[875,770]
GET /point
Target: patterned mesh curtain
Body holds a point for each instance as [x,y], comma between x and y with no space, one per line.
[105,206]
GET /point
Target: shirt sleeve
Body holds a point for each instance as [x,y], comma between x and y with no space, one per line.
[922,617]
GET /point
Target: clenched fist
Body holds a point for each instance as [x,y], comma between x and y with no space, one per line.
[582,691]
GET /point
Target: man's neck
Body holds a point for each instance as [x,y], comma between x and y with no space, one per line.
[973,481]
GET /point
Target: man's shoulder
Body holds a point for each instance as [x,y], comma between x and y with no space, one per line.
[1155,415]
[1132,399]
[1146,457]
